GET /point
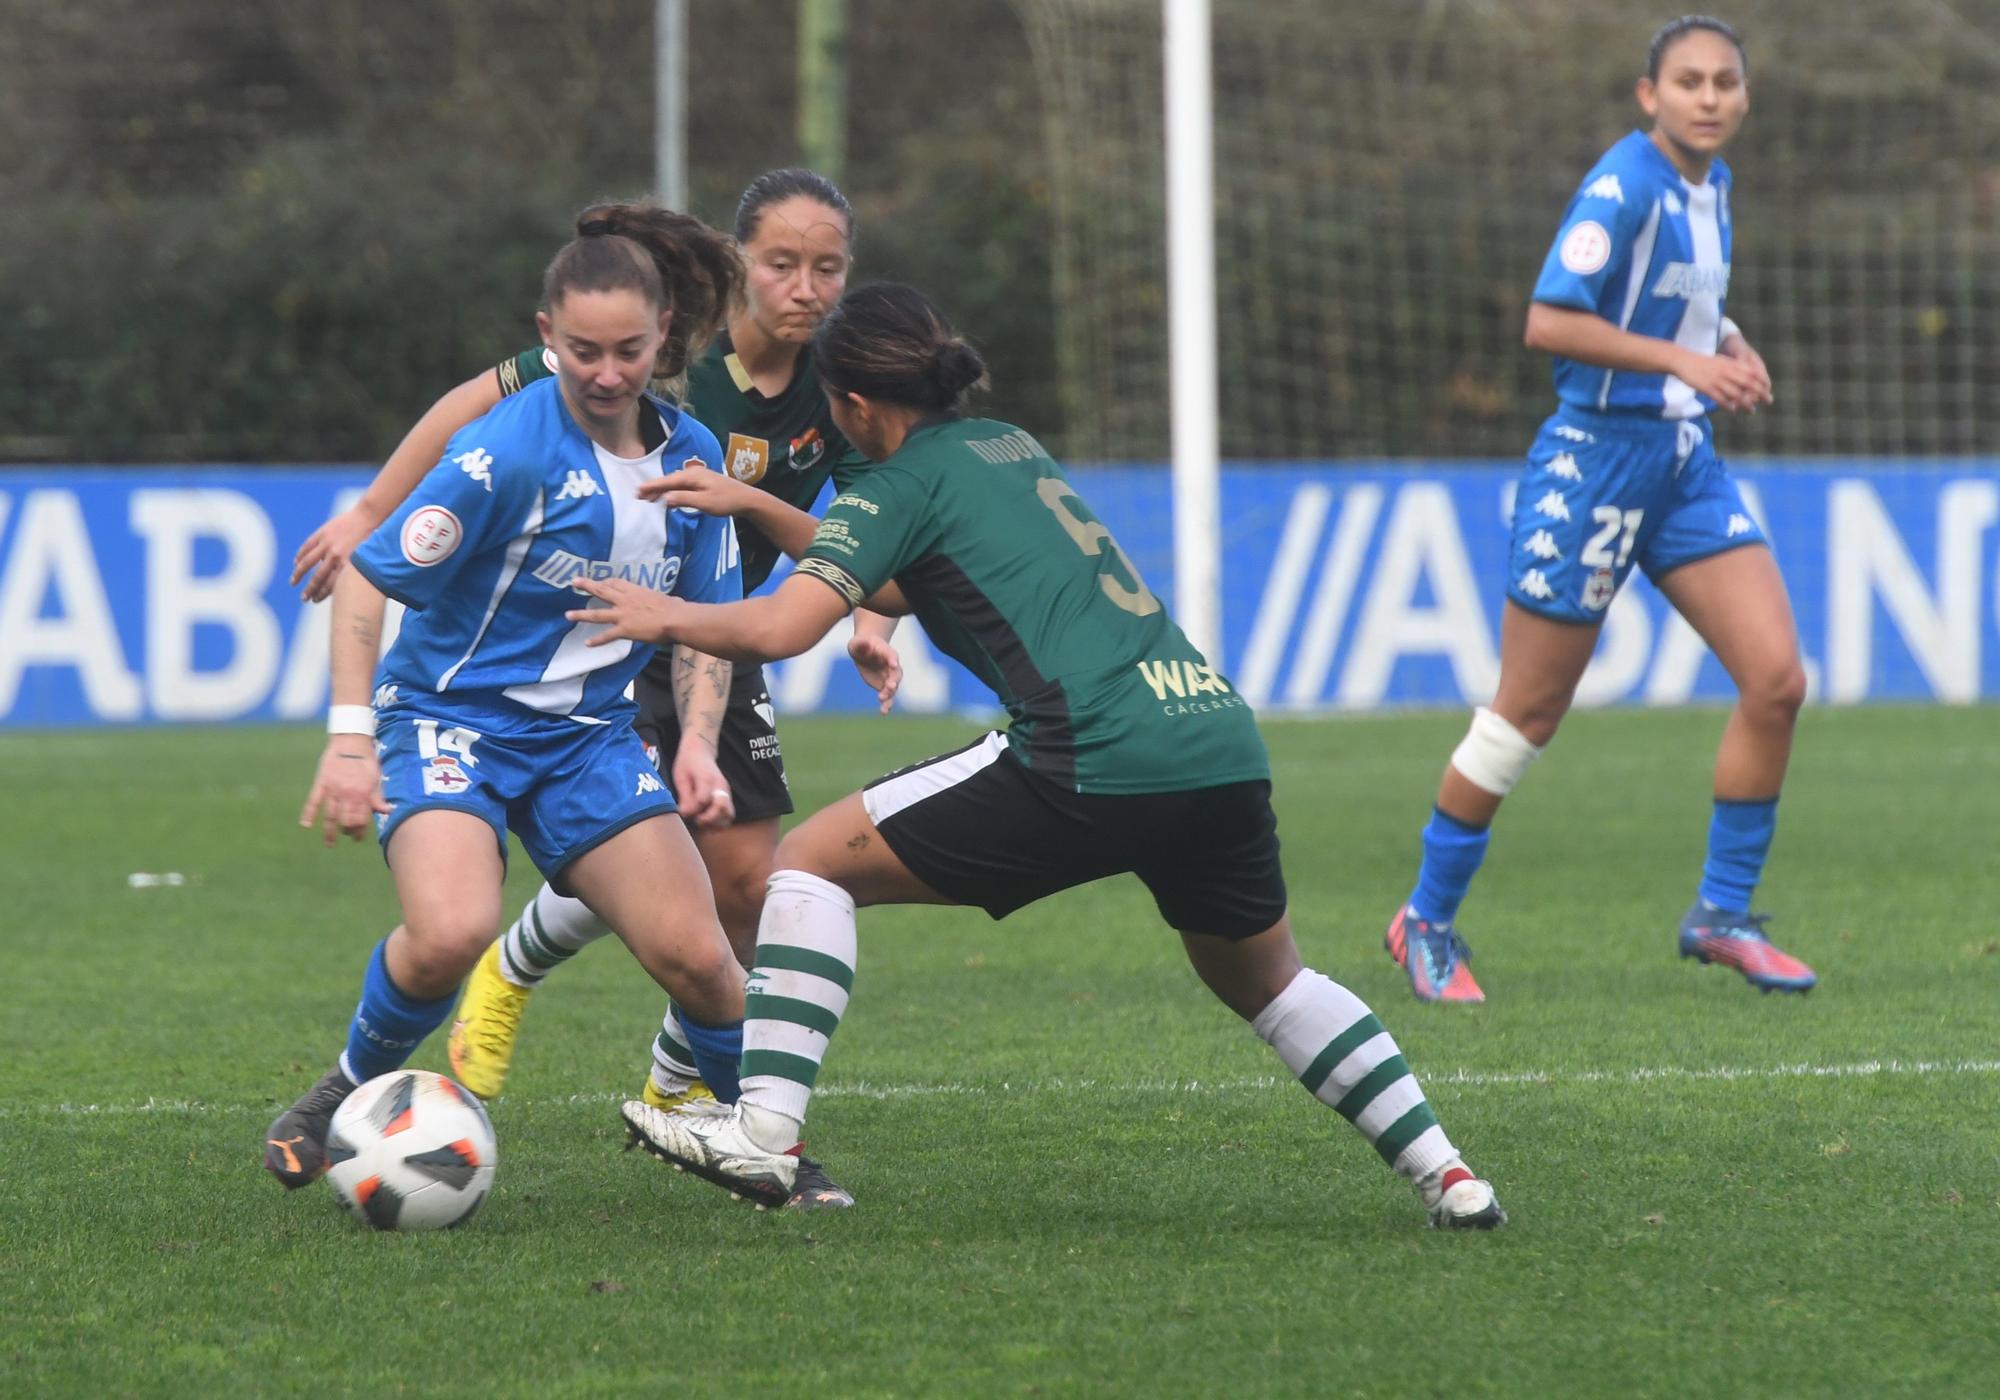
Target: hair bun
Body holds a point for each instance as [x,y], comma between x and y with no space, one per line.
[957,367]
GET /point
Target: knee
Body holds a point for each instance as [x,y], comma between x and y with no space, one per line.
[438,951]
[1773,697]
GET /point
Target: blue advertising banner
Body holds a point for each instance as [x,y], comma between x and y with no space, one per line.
[146,595]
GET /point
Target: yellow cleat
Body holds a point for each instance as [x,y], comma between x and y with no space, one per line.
[481,1045]
[695,1093]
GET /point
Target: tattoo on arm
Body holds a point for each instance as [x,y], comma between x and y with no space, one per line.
[701,692]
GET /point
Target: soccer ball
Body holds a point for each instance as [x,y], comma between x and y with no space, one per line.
[411,1150]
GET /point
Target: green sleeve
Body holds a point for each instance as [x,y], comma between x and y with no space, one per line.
[873,530]
[523,369]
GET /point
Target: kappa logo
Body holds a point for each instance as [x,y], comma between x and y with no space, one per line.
[1597,590]
[1739,524]
[1542,545]
[576,485]
[648,782]
[1553,506]
[1605,186]
[1672,201]
[1564,465]
[477,464]
[1535,586]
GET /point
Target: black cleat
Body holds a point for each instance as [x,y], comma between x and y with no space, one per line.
[295,1145]
[813,1189]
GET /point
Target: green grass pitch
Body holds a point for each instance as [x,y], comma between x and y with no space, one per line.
[1077,1174]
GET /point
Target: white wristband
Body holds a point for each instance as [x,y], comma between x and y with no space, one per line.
[1728,329]
[350,719]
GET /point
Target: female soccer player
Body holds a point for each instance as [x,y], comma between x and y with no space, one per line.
[1630,303]
[492,713]
[755,387]
[1127,752]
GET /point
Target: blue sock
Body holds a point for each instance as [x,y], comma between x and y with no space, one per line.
[1452,852]
[1739,837]
[388,1023]
[717,1049]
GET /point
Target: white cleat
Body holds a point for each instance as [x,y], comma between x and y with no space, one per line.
[1458,1200]
[714,1147]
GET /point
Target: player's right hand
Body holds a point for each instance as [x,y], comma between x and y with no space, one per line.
[1736,385]
[326,551]
[698,488]
[346,791]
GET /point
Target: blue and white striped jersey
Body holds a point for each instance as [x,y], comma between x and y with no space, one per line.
[1648,252]
[485,548]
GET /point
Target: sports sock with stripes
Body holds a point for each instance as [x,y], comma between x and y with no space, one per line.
[1329,1038]
[674,1068]
[798,992]
[551,930]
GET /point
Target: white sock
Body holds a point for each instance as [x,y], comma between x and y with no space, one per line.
[806,950]
[551,930]
[1329,1038]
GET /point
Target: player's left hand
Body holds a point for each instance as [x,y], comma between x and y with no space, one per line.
[876,659]
[631,613]
[702,792]
[698,488]
[1742,351]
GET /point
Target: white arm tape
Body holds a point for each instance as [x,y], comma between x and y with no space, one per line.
[350,719]
[1493,754]
[1728,329]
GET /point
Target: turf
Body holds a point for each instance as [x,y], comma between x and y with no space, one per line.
[1077,1174]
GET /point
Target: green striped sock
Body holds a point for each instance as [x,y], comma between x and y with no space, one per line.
[1329,1038]
[551,930]
[798,990]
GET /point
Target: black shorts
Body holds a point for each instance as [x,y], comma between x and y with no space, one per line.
[980,829]
[747,749]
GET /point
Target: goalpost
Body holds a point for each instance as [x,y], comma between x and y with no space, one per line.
[1191,333]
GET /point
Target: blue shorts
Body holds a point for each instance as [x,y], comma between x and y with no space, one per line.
[561,786]
[1605,492]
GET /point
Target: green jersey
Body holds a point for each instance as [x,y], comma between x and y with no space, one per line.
[785,445]
[1011,574]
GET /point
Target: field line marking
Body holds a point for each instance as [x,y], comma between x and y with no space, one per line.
[1860,1069]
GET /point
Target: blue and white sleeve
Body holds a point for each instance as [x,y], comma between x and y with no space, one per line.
[1594,243]
[713,569]
[469,502]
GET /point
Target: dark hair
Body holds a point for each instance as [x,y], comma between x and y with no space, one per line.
[674,260]
[776,186]
[890,342]
[1675,29]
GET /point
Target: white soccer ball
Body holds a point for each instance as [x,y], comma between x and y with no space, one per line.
[411,1150]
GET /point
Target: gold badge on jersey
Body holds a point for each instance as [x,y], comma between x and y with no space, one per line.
[747,458]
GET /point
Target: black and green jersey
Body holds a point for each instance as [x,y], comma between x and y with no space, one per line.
[785,445]
[1011,574]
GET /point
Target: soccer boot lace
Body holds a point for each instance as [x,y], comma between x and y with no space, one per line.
[695,1098]
[1738,941]
[1441,967]
[715,1148]
[1458,1200]
[295,1145]
[481,1044]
